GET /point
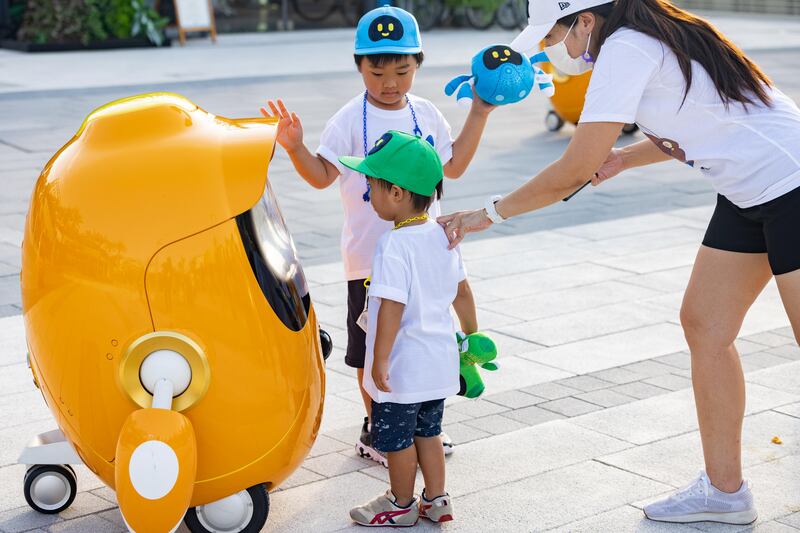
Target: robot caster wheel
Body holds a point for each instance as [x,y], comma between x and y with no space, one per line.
[326,343]
[630,129]
[553,122]
[243,512]
[50,489]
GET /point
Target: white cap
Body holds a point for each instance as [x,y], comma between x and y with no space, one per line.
[543,15]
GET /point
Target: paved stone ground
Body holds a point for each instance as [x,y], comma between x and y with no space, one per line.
[591,414]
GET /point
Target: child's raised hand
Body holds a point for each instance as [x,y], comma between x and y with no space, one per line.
[290,130]
[380,375]
[480,105]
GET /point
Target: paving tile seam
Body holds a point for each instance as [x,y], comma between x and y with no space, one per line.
[496,330]
[638,300]
[621,469]
[577,262]
[786,414]
[578,520]
[31,421]
[595,262]
[616,332]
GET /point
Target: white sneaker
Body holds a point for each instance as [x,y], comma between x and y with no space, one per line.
[701,501]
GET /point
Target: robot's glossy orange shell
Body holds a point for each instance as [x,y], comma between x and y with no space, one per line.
[570,93]
[131,230]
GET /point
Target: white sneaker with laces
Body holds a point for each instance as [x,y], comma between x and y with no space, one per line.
[701,501]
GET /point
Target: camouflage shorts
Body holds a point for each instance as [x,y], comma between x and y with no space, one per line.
[394,425]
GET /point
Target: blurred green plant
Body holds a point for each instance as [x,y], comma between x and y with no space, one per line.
[86,21]
[146,21]
[489,5]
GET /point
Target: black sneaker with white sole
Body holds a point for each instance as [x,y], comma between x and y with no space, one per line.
[364,446]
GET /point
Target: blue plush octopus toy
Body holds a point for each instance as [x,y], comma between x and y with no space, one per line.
[501,76]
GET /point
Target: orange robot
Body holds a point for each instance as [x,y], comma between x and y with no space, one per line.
[567,102]
[168,320]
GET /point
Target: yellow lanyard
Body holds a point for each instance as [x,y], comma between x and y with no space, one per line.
[409,221]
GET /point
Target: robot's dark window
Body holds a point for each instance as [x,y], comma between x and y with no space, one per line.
[273,257]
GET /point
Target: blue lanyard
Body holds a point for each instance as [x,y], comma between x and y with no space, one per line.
[417,131]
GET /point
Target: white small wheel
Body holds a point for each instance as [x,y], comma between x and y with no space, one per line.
[50,489]
[553,122]
[243,512]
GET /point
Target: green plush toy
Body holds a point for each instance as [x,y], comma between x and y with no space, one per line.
[475,350]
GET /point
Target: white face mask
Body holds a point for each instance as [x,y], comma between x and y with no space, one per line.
[572,66]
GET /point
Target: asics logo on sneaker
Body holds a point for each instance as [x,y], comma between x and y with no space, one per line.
[388,516]
[563,5]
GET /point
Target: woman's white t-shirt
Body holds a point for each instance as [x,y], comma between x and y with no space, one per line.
[414,267]
[751,155]
[343,136]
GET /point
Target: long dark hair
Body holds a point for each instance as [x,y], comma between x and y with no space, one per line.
[690,37]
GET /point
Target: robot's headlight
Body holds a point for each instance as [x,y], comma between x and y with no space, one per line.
[272,254]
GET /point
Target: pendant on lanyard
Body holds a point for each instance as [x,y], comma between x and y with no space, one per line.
[416,131]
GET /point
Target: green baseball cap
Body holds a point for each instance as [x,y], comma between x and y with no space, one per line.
[408,161]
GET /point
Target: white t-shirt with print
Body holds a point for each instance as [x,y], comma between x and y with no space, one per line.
[343,136]
[414,267]
[750,155]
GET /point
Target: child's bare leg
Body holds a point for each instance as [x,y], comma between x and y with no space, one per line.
[365,397]
[430,455]
[403,473]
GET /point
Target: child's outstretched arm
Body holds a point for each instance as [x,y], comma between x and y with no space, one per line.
[389,316]
[318,172]
[466,143]
[464,304]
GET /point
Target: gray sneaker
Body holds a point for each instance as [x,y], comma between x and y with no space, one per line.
[701,501]
[447,443]
[384,512]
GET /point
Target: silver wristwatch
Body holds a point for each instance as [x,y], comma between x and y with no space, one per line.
[491,210]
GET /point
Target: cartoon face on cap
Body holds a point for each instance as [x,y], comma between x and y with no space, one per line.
[380,143]
[385,27]
[497,55]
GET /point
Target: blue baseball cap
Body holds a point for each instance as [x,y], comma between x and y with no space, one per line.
[388,30]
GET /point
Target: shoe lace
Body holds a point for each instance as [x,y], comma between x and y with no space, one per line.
[700,486]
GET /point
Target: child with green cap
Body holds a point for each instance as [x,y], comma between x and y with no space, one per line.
[388,52]
[412,362]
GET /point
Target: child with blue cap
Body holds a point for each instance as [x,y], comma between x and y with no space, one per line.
[388,52]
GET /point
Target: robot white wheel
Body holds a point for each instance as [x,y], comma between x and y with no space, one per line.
[553,122]
[50,489]
[243,512]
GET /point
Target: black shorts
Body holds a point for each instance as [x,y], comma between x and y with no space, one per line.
[356,337]
[772,228]
[394,425]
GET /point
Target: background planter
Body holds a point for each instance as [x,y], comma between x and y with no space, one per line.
[109,44]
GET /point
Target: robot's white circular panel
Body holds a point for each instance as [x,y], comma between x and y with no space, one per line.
[153,469]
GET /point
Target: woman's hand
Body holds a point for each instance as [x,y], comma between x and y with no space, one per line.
[290,130]
[457,225]
[380,375]
[613,165]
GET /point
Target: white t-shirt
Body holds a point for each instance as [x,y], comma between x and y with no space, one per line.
[750,155]
[343,135]
[414,267]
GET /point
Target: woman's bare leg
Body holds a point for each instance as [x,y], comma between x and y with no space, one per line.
[722,288]
[789,287]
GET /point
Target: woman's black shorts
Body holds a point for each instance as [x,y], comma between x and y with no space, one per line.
[772,228]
